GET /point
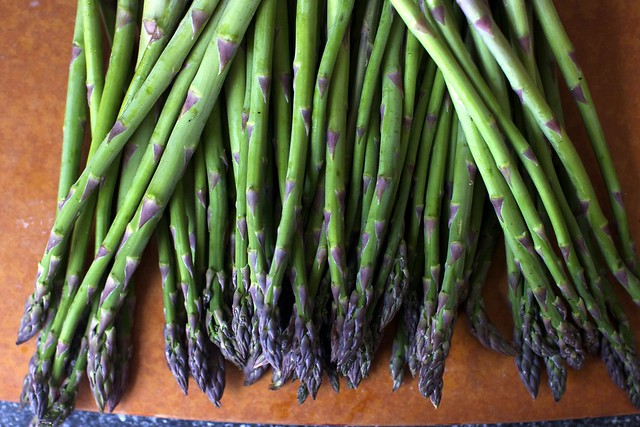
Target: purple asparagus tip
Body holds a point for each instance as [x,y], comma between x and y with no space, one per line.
[525,44]
[54,240]
[457,250]
[396,79]
[89,93]
[506,172]
[226,50]
[117,129]
[617,196]
[497,206]
[584,206]
[285,81]
[75,52]
[529,154]
[123,17]
[431,119]
[92,184]
[578,94]
[438,14]
[338,255]
[198,19]
[381,186]
[422,27]
[332,141]
[157,152]
[554,126]
[102,251]
[149,209]
[306,118]
[150,26]
[323,83]
[130,268]
[265,83]
[191,100]
[429,226]
[484,24]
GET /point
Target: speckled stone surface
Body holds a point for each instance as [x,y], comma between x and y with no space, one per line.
[10,415]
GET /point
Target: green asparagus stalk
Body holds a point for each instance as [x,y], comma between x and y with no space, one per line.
[175,349]
[304,66]
[336,151]
[365,112]
[218,313]
[281,94]
[75,114]
[431,224]
[479,323]
[200,216]
[119,69]
[337,28]
[368,29]
[453,279]
[93,54]
[258,150]
[151,158]
[242,306]
[380,211]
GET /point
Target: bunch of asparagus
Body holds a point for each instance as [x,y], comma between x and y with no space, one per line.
[294,219]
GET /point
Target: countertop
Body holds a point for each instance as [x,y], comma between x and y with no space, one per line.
[480,386]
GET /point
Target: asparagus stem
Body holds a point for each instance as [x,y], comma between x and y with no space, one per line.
[337,27]
[380,211]
[431,224]
[175,348]
[281,94]
[304,65]
[365,112]
[336,143]
[242,308]
[257,129]
[75,113]
[93,55]
[453,279]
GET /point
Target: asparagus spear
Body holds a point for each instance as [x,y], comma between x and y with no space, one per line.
[431,225]
[281,94]
[115,80]
[337,28]
[479,323]
[175,349]
[453,279]
[304,66]
[257,128]
[386,182]
[335,188]
[362,127]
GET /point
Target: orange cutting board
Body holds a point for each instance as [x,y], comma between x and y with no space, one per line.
[480,386]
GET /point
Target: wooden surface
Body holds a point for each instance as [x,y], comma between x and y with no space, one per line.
[480,386]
